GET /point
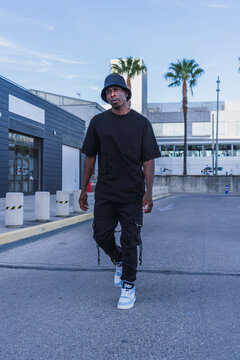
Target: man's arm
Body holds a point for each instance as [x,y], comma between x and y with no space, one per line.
[89,163]
[149,176]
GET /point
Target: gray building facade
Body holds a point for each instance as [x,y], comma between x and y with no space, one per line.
[34,134]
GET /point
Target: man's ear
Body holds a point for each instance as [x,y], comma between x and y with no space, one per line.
[126,93]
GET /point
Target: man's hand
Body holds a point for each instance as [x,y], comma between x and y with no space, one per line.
[147,203]
[83,201]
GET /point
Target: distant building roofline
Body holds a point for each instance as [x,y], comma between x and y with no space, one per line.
[75,101]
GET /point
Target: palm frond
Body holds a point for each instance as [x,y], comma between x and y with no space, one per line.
[184,71]
[129,67]
[116,69]
[175,83]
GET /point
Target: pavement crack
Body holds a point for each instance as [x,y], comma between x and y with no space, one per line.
[107,269]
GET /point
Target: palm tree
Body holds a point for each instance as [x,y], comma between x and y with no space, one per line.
[129,67]
[239,66]
[184,73]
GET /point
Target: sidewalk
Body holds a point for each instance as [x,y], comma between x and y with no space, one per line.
[32,228]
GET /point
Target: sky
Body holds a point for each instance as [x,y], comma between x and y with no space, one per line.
[65,47]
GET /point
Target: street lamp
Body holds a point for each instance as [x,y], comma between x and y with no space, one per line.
[213,144]
[216,160]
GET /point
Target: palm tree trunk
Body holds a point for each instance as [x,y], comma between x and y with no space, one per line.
[184,90]
[129,86]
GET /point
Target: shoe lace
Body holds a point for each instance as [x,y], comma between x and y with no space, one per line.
[125,292]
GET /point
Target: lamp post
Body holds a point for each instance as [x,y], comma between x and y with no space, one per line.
[213,144]
[216,160]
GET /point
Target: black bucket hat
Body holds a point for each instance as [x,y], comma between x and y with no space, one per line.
[115,79]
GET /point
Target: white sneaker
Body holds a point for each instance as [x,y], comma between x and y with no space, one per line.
[117,276]
[127,297]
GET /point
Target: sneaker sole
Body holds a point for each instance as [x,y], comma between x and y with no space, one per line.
[126,307]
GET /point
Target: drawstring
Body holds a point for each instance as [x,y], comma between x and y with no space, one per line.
[140,253]
[98,248]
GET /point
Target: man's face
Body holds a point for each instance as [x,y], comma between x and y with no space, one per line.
[116,96]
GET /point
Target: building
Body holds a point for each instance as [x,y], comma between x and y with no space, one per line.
[168,125]
[84,109]
[40,143]
[139,90]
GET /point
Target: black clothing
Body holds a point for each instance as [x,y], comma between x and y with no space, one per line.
[106,217]
[123,143]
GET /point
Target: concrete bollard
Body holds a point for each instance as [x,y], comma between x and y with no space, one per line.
[76,207]
[14,209]
[62,203]
[42,206]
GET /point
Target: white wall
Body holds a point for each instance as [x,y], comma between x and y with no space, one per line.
[85,112]
[24,108]
[70,168]
[230,120]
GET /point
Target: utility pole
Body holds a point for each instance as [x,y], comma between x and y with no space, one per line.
[212,144]
[216,160]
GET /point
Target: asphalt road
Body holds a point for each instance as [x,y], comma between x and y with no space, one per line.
[57,303]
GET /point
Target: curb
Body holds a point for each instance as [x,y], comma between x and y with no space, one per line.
[20,234]
[35,230]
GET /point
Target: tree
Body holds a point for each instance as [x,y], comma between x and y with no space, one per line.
[185,73]
[129,67]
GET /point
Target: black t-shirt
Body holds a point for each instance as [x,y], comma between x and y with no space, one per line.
[122,143]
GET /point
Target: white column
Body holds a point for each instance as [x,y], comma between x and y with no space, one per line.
[62,203]
[14,209]
[42,205]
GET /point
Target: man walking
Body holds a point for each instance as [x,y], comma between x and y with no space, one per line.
[126,147]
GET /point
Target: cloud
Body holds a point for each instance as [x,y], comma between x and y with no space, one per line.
[8,44]
[6,15]
[207,66]
[43,70]
[53,57]
[95,88]
[22,51]
[68,76]
[217,6]
[51,28]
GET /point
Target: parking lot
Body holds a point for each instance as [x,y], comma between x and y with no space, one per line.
[57,303]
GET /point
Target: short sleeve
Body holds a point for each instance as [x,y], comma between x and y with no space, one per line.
[91,143]
[150,149]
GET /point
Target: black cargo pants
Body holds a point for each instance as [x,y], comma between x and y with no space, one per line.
[107,214]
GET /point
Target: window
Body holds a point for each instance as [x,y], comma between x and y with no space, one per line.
[157,129]
[167,151]
[179,150]
[222,129]
[173,129]
[236,150]
[194,150]
[23,163]
[224,150]
[168,129]
[201,129]
[207,150]
[238,128]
